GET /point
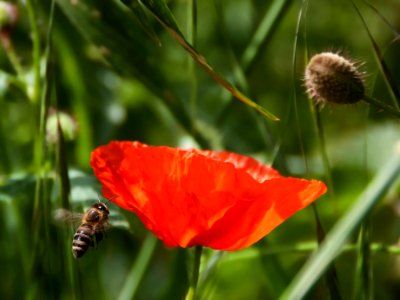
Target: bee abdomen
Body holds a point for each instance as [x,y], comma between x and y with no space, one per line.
[82,240]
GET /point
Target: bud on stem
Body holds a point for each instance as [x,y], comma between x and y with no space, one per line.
[330,77]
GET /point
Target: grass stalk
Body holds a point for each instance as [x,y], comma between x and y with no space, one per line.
[342,230]
[363,280]
[35,90]
[139,268]
[383,105]
[193,292]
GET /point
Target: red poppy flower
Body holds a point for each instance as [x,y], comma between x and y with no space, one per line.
[221,200]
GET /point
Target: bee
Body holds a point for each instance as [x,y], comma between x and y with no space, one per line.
[92,228]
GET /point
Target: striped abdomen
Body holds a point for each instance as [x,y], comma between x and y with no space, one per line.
[83,239]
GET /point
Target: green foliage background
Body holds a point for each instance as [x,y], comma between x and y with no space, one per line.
[118,69]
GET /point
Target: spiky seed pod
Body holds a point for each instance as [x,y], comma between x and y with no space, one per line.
[330,77]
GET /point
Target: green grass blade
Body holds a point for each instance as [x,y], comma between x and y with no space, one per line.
[382,105]
[36,53]
[127,50]
[62,166]
[139,268]
[142,18]
[338,236]
[124,45]
[162,13]
[264,32]
[363,279]
[331,277]
[388,77]
[376,11]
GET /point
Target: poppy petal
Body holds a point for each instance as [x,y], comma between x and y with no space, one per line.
[222,200]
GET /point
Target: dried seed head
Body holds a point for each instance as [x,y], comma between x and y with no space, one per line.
[330,77]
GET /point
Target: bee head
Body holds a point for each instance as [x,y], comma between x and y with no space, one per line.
[102,207]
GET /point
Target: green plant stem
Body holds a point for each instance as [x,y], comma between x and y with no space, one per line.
[269,23]
[192,292]
[341,232]
[363,279]
[192,30]
[139,268]
[14,80]
[387,76]
[210,267]
[35,91]
[324,153]
[304,248]
[10,51]
[16,226]
[384,106]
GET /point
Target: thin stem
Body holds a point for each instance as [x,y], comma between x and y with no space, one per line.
[14,80]
[267,26]
[10,51]
[192,32]
[324,154]
[139,269]
[363,279]
[192,292]
[341,232]
[382,105]
[305,248]
[35,91]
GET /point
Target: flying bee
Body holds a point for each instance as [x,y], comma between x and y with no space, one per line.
[92,228]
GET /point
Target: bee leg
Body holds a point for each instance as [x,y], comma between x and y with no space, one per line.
[93,242]
[99,236]
[96,239]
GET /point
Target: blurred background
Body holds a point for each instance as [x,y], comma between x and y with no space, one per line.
[112,70]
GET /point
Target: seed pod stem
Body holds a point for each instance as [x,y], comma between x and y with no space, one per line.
[383,105]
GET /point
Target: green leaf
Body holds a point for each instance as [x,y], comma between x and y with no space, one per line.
[264,32]
[161,11]
[118,36]
[341,232]
[142,18]
[139,268]
[388,77]
[126,48]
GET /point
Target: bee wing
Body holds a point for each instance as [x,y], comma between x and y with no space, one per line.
[62,215]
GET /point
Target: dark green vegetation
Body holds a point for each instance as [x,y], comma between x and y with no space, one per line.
[120,70]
